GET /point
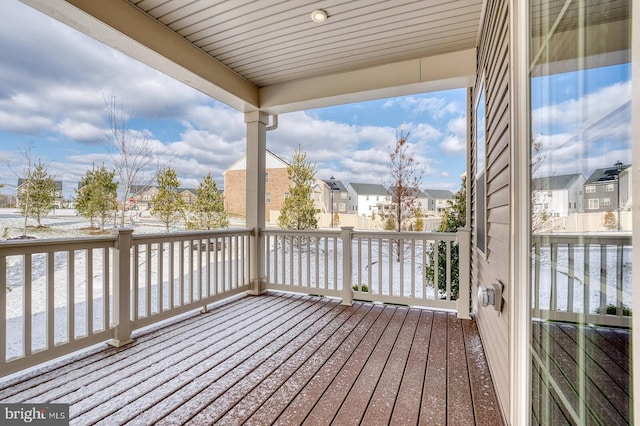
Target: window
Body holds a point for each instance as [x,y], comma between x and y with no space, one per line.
[377,198]
[343,195]
[590,189]
[480,193]
[594,204]
[606,201]
[342,207]
[267,197]
[369,208]
[610,187]
[266,177]
[367,198]
[286,195]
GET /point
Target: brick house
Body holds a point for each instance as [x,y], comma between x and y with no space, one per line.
[276,185]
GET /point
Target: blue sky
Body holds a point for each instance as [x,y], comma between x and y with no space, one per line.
[54,82]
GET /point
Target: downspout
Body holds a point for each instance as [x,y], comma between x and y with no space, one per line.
[274,123]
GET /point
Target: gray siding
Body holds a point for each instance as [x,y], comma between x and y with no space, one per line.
[493,64]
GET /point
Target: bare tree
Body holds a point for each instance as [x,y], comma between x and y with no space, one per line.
[405,175]
[130,150]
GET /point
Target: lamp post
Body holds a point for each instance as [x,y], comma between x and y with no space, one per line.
[332,185]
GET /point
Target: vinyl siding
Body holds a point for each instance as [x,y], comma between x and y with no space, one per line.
[493,64]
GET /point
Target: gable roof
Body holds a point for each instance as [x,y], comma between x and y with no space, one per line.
[58,183]
[437,194]
[339,186]
[272,161]
[552,183]
[606,174]
[368,189]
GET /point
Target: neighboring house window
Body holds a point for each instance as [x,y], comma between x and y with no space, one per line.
[606,201]
[590,189]
[266,177]
[342,207]
[377,198]
[343,195]
[369,208]
[610,187]
[594,203]
[286,195]
[267,197]
[367,198]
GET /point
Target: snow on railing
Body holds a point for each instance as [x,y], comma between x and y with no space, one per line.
[64,295]
[412,268]
[582,278]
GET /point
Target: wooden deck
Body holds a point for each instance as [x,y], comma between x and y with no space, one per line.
[284,359]
[588,373]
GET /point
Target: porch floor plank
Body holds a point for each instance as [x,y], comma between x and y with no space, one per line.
[278,359]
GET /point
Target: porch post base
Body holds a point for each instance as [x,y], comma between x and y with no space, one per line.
[116,343]
[258,287]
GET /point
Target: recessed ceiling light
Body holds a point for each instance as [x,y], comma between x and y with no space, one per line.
[318,15]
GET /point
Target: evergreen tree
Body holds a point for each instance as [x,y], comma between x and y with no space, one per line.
[298,211]
[168,205]
[37,193]
[208,210]
[97,197]
[454,217]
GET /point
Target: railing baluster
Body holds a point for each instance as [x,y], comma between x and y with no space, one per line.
[412,293]
[570,280]
[300,240]
[51,270]
[160,277]
[603,279]
[536,286]
[401,267]
[3,309]
[317,283]
[181,271]
[326,262]
[71,298]
[171,278]
[89,293]
[619,288]
[106,280]
[135,266]
[308,240]
[587,280]
[554,277]
[216,266]
[191,290]
[380,246]
[436,269]
[391,256]
[424,272]
[27,286]
[448,273]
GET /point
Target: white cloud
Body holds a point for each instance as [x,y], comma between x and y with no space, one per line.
[453,145]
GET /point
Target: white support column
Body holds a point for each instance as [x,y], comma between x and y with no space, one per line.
[635,201]
[464,272]
[122,289]
[256,122]
[347,290]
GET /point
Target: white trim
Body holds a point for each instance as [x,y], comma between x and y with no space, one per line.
[635,157]
[519,298]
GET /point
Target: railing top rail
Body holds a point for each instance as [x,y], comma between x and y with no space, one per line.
[17,247]
[442,236]
[617,239]
[188,235]
[308,233]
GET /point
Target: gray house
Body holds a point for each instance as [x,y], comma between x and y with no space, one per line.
[434,201]
[601,190]
[558,195]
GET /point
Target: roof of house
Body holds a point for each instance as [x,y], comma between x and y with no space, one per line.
[437,194]
[369,189]
[57,182]
[273,161]
[552,183]
[338,185]
[606,174]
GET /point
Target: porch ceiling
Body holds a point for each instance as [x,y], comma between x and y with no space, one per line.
[268,54]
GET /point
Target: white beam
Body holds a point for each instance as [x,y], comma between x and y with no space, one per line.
[440,72]
[119,24]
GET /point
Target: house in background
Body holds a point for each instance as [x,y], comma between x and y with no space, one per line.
[558,195]
[365,197]
[337,193]
[434,201]
[276,179]
[601,190]
[21,190]
[625,186]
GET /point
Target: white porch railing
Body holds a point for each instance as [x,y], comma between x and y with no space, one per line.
[582,278]
[385,267]
[65,295]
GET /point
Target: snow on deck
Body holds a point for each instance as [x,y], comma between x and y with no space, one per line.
[280,358]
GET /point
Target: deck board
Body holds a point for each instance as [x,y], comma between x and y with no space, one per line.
[283,359]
